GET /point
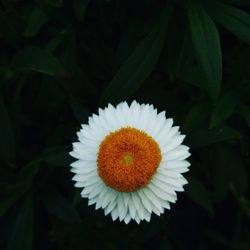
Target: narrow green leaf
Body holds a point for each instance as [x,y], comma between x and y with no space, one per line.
[194,76]
[56,41]
[139,64]
[58,159]
[9,194]
[59,206]
[178,52]
[8,31]
[239,2]
[206,42]
[55,156]
[223,109]
[205,137]
[7,143]
[69,52]
[244,111]
[36,20]
[22,233]
[80,112]
[16,189]
[230,172]
[245,205]
[80,7]
[36,59]
[196,118]
[54,3]
[198,193]
[136,30]
[233,19]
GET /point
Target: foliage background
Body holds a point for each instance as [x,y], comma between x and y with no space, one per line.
[62,59]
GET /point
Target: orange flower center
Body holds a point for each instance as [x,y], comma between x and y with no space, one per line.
[127,159]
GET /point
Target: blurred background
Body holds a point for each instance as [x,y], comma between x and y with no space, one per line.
[62,59]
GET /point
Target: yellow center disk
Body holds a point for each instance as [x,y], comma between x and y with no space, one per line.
[127,159]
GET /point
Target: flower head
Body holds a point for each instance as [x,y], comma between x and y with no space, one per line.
[130,161]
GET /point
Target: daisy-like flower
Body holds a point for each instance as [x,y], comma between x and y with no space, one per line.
[130,161]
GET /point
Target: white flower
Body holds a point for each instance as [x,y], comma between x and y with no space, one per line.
[130,161]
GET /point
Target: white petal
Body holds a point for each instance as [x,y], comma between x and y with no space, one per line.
[125,113]
[137,219]
[165,204]
[83,155]
[144,118]
[159,124]
[92,201]
[88,142]
[96,190]
[168,188]
[135,113]
[157,209]
[119,116]
[79,184]
[82,170]
[107,198]
[147,216]
[114,214]
[175,142]
[161,193]
[165,130]
[176,155]
[144,199]
[87,190]
[110,208]
[127,218]
[110,117]
[165,140]
[173,181]
[174,164]
[132,209]
[136,201]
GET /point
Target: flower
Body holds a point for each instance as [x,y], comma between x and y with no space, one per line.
[130,161]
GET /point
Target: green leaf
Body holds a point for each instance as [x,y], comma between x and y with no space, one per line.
[80,112]
[9,194]
[245,2]
[36,20]
[39,60]
[7,142]
[59,206]
[230,172]
[205,137]
[139,64]
[206,42]
[178,52]
[54,3]
[51,96]
[56,41]
[244,111]
[136,30]
[80,7]
[198,193]
[233,19]
[58,159]
[196,118]
[8,31]
[22,233]
[194,76]
[69,52]
[223,109]
[16,188]
[245,205]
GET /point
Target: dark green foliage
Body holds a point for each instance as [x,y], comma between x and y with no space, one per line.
[62,59]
